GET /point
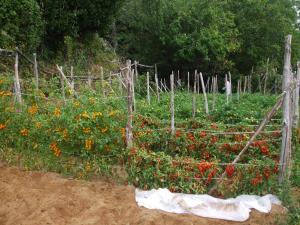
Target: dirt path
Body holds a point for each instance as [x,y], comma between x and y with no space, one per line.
[33,198]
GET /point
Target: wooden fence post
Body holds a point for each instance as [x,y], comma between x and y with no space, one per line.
[214,92]
[133,90]
[204,94]
[227,89]
[72,80]
[17,80]
[90,79]
[62,86]
[296,118]
[148,88]
[102,81]
[36,73]
[285,155]
[266,77]
[188,81]
[172,104]
[156,83]
[194,97]
[129,135]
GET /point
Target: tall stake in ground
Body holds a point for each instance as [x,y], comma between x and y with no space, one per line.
[194,95]
[296,118]
[285,156]
[172,104]
[204,94]
[17,80]
[129,135]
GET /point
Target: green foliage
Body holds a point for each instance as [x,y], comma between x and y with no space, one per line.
[212,36]
[76,18]
[262,27]
[21,24]
[195,33]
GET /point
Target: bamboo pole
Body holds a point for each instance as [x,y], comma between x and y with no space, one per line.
[285,155]
[194,97]
[129,135]
[172,104]
[204,94]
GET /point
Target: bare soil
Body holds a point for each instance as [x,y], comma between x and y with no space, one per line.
[35,198]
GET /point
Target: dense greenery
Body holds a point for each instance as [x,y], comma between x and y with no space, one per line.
[213,36]
[209,35]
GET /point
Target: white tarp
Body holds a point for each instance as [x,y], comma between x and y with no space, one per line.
[234,209]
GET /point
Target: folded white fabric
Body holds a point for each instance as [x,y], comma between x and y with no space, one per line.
[234,209]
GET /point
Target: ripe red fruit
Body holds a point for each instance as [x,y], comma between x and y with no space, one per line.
[230,170]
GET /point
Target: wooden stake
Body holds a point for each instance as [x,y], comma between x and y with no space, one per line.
[296,118]
[204,94]
[214,92]
[194,96]
[72,79]
[285,156]
[36,72]
[245,84]
[62,85]
[89,80]
[172,104]
[148,88]
[133,90]
[266,77]
[156,82]
[227,90]
[188,82]
[129,135]
[60,69]
[102,81]
[17,81]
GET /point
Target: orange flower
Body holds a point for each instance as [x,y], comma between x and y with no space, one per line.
[88,144]
[57,112]
[104,130]
[55,149]
[33,109]
[2,126]
[86,130]
[24,132]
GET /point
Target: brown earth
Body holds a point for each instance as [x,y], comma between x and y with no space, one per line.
[35,198]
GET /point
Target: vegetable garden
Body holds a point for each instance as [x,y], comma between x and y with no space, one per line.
[88,133]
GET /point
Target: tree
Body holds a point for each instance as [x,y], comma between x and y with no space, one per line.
[263,25]
[20,24]
[76,18]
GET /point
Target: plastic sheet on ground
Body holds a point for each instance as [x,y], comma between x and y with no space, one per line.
[233,209]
